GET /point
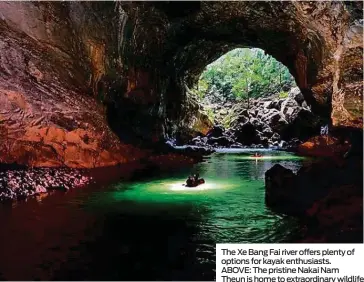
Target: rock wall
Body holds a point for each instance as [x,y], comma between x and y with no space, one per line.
[347,96]
[80,80]
[52,59]
[327,194]
[317,41]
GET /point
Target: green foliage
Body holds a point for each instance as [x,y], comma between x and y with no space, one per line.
[283,94]
[245,73]
[210,114]
[202,88]
[227,120]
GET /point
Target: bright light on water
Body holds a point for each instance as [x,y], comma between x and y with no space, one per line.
[171,190]
[242,157]
[202,187]
[229,207]
[222,172]
[151,222]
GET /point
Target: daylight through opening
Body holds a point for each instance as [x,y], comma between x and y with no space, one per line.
[247,98]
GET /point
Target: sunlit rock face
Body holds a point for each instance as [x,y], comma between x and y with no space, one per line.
[195,123]
[324,146]
[52,56]
[79,80]
[347,97]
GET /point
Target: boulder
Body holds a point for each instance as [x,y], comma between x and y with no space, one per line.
[252,112]
[274,119]
[302,124]
[295,94]
[221,141]
[294,194]
[276,137]
[256,123]
[237,145]
[241,119]
[246,134]
[289,104]
[216,131]
[264,141]
[267,132]
[268,105]
[230,132]
[282,144]
[276,104]
[280,188]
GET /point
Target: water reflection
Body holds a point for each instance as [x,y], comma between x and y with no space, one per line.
[151,229]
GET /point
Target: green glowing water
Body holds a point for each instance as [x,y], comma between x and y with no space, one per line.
[150,229]
[229,207]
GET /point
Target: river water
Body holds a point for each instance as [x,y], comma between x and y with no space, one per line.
[147,229]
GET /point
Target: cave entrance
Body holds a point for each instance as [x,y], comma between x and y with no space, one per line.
[240,77]
[247,98]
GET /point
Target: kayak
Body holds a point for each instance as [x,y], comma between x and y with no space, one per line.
[199,182]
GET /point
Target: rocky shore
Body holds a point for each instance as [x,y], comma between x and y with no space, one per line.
[270,122]
[22,183]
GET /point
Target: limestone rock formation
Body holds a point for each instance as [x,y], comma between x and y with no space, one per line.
[327,195]
[195,122]
[52,56]
[295,194]
[267,122]
[324,146]
[80,80]
[279,188]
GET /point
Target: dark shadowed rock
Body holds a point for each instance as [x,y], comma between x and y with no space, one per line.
[216,131]
[221,141]
[246,134]
[239,119]
[264,141]
[295,194]
[338,217]
[283,144]
[258,125]
[276,137]
[236,145]
[267,132]
[280,188]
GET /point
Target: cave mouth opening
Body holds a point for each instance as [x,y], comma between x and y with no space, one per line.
[246,98]
[241,76]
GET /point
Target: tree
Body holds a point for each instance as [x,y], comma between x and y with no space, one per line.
[245,73]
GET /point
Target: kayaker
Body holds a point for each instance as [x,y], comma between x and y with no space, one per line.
[190,182]
[193,181]
[196,177]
